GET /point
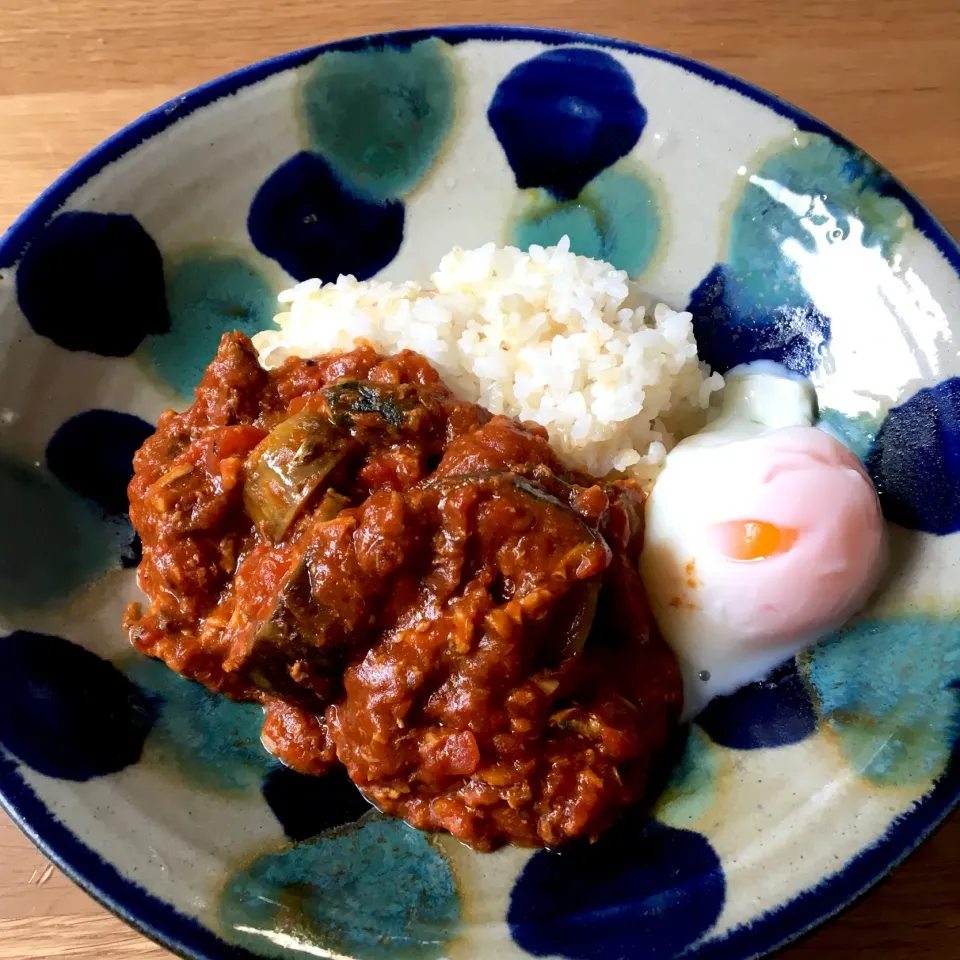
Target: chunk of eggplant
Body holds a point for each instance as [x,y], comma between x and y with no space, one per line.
[574,616]
[580,606]
[289,466]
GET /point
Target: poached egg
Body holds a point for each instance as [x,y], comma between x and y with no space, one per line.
[763,534]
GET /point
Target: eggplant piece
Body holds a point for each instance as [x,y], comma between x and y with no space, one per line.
[286,652]
[289,648]
[296,621]
[494,482]
[289,466]
[573,618]
[295,645]
[581,606]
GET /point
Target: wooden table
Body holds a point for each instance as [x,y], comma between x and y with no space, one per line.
[885,72]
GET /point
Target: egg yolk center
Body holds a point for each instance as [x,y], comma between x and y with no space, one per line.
[753,539]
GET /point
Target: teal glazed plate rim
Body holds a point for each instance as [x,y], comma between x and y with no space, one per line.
[183,200]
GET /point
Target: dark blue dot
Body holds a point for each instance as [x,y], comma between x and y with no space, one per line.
[564,117]
[93,281]
[66,712]
[731,327]
[915,460]
[643,889]
[92,453]
[132,553]
[774,712]
[306,219]
[306,806]
[810,208]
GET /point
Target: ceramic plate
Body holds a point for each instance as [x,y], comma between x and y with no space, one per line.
[374,157]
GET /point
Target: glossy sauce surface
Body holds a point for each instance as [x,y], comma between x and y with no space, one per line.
[411,587]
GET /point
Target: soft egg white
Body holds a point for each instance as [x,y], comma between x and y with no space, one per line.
[763,534]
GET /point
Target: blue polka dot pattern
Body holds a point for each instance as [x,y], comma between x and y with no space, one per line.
[564,117]
[377,889]
[815,199]
[93,281]
[915,460]
[306,219]
[641,883]
[92,453]
[774,712]
[306,806]
[731,328]
[66,712]
[208,295]
[380,115]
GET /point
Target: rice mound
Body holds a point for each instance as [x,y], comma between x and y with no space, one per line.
[548,336]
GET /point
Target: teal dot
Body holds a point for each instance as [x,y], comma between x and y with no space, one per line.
[571,220]
[814,207]
[857,433]
[888,690]
[380,116]
[52,541]
[207,296]
[812,191]
[375,889]
[615,218]
[693,784]
[212,741]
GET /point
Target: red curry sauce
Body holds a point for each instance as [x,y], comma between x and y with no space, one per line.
[412,587]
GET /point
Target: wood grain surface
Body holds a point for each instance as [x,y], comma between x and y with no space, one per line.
[886,73]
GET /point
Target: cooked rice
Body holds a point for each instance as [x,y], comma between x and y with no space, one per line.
[546,336]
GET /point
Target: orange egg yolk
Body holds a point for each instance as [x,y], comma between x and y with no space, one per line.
[754,539]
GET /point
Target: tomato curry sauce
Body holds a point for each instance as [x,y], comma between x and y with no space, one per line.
[412,587]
